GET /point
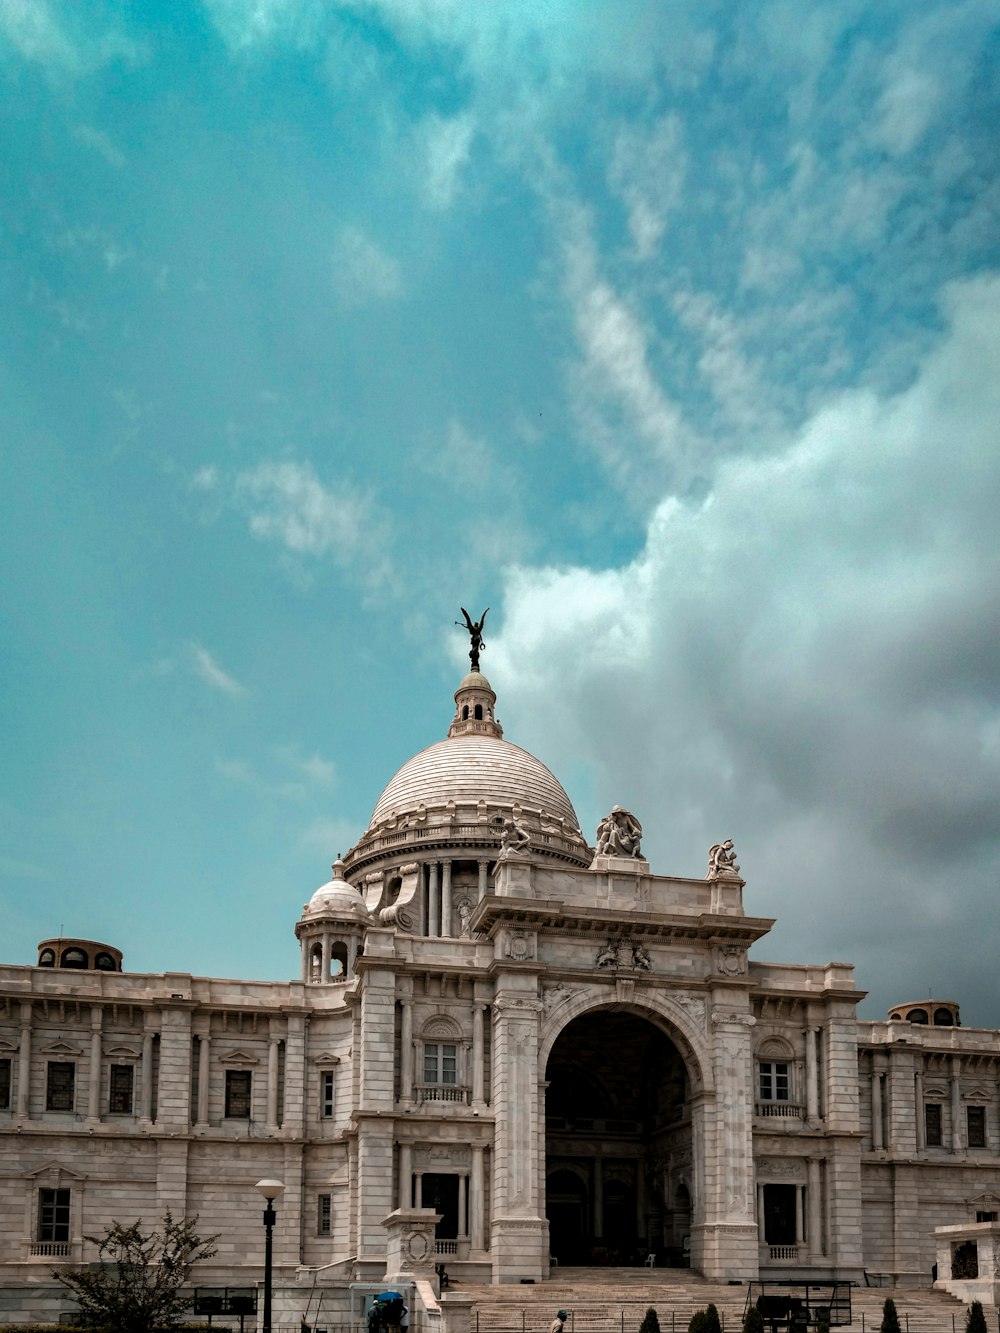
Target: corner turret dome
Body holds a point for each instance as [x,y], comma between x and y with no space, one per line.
[337,900]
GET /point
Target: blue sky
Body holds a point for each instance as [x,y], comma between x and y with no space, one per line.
[671,332]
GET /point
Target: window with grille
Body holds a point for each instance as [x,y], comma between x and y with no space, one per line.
[975,1119]
[4,1084]
[932,1124]
[59,1086]
[53,1215]
[120,1089]
[775,1082]
[324,1214]
[238,1094]
[440,1063]
[326,1094]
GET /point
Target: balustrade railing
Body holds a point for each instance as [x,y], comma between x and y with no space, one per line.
[440,1092]
[786,1110]
[49,1249]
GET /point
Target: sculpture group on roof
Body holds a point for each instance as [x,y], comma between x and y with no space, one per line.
[619,834]
[722,861]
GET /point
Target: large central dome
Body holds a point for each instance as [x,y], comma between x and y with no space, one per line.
[469,769]
[456,795]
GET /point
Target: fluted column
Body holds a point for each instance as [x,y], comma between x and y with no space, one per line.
[204,1075]
[94,1084]
[146,1078]
[478,1012]
[814,1201]
[483,868]
[406,1053]
[957,1137]
[476,1234]
[876,1108]
[812,1073]
[273,1054]
[446,898]
[433,900]
[405,1176]
[24,1064]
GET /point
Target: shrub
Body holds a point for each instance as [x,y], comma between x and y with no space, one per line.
[975,1320]
[753,1321]
[699,1322]
[650,1322]
[713,1324]
[890,1319]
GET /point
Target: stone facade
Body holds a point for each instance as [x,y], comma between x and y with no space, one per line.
[553,1053]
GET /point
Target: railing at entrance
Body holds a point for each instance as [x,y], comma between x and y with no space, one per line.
[784,1252]
[446,1247]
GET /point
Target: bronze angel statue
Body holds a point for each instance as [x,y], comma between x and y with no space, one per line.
[475,628]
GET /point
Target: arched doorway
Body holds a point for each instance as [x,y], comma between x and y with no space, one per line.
[617,1142]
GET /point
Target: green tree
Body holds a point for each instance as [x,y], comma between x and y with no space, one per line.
[975,1320]
[753,1321]
[698,1322]
[136,1284]
[713,1324]
[890,1319]
[650,1322]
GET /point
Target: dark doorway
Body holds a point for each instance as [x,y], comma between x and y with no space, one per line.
[618,1141]
[779,1215]
[441,1194]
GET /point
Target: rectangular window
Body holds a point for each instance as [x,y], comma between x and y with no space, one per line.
[326,1094]
[53,1214]
[238,1094]
[4,1085]
[975,1119]
[120,1089]
[986,1217]
[774,1081]
[59,1086]
[324,1214]
[440,1063]
[932,1124]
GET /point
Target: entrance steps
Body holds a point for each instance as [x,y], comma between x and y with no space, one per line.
[614,1300]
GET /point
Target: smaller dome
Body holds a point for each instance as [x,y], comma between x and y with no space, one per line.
[475,680]
[337,899]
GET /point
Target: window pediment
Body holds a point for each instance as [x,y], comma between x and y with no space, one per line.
[326,1060]
[441,1027]
[775,1048]
[123,1052]
[54,1169]
[238,1057]
[60,1047]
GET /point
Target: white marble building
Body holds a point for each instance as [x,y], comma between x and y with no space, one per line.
[566,1056]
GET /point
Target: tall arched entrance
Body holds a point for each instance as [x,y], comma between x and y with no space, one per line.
[618,1143]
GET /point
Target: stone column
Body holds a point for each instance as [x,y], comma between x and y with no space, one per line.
[957,1136]
[476,1200]
[598,1220]
[814,1201]
[478,1011]
[147,1077]
[272,1082]
[406,1054]
[876,1108]
[94,1080]
[463,1211]
[24,1064]
[640,1199]
[446,898]
[204,1079]
[483,869]
[918,1109]
[433,900]
[812,1073]
[723,1233]
[799,1215]
[760,1215]
[324,968]
[405,1177]
[418,1189]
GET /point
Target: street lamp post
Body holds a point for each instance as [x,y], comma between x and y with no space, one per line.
[271,1190]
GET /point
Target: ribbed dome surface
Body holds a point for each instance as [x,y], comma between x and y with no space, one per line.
[467,769]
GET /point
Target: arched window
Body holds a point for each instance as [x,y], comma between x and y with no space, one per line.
[479,712]
[47,958]
[316,963]
[73,958]
[465,712]
[944,1018]
[917,1016]
[105,963]
[338,961]
[897,1018]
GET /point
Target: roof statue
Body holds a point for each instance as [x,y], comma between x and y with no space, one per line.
[475,628]
[619,834]
[722,861]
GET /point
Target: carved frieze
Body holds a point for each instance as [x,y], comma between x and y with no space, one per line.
[781,1168]
[720,1016]
[432,1155]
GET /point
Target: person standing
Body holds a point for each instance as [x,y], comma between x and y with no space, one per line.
[559,1322]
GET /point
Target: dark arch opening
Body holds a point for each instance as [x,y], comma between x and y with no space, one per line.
[617,1128]
[338,961]
[944,1018]
[479,712]
[74,958]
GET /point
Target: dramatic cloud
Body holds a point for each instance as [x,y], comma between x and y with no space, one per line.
[808,662]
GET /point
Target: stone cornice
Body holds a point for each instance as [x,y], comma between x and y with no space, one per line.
[575,919]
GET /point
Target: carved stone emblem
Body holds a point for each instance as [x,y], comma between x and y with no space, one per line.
[624,953]
[731,960]
[517,946]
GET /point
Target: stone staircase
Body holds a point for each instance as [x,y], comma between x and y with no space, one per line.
[614,1300]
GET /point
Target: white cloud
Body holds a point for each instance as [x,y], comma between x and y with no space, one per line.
[57,39]
[213,674]
[362,271]
[648,169]
[288,503]
[101,143]
[808,663]
[446,143]
[247,24]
